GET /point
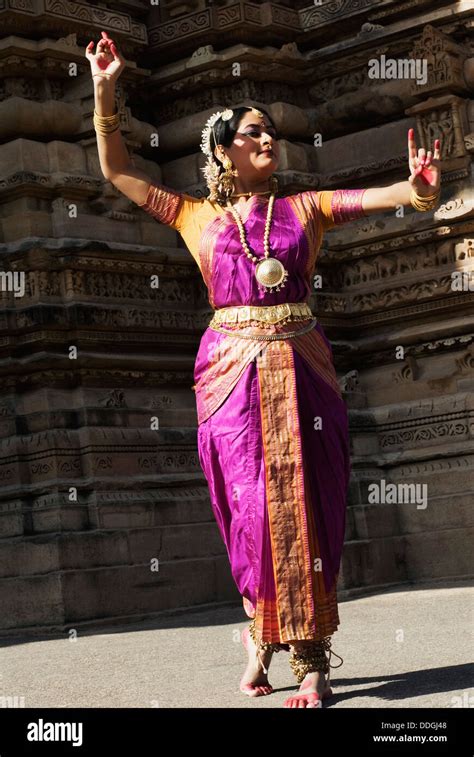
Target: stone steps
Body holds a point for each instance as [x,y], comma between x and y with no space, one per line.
[398,542]
[374,521]
[64,597]
[102,566]
[34,555]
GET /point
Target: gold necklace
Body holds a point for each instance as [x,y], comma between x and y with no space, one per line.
[270,272]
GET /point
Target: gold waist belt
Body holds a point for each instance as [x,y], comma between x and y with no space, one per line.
[267,315]
[286,311]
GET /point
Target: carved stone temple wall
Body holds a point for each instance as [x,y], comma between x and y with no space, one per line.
[104,509]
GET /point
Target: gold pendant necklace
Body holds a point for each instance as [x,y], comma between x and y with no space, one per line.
[270,272]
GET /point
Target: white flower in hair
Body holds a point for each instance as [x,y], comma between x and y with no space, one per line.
[206,132]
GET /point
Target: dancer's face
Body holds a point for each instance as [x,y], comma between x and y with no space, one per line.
[254,135]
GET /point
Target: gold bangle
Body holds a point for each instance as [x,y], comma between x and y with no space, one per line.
[100,130]
[103,73]
[106,124]
[107,119]
[106,133]
[424,208]
[109,125]
[421,203]
[106,129]
[425,197]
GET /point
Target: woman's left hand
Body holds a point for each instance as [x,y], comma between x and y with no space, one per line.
[425,170]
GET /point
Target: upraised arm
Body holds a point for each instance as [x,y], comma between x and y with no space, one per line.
[162,203]
[425,179]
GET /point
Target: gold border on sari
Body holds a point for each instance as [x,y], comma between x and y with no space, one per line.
[303,609]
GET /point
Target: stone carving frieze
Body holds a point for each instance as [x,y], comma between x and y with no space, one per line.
[388,266]
[317,15]
[437,430]
[102,285]
[445,61]
[59,377]
[386,298]
[462,463]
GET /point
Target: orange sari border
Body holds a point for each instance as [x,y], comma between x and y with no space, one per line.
[302,609]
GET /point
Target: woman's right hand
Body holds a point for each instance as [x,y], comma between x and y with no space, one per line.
[107,58]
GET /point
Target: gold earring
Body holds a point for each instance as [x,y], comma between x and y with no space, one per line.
[226,179]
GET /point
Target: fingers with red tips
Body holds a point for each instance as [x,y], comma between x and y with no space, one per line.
[411,145]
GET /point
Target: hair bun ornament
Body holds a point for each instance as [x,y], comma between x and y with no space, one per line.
[211,170]
[206,132]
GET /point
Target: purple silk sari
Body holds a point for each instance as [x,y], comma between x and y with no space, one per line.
[273,436]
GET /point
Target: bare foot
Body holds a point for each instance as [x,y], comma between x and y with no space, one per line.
[254,681]
[313,689]
[248,607]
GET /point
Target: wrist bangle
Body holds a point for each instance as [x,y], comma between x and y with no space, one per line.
[421,203]
[106,124]
[106,119]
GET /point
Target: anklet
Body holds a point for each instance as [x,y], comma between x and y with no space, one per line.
[313,659]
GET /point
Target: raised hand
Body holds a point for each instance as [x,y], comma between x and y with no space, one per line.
[107,59]
[425,168]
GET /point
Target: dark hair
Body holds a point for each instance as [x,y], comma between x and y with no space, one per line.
[225,130]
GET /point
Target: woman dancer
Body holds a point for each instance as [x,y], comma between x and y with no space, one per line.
[272,425]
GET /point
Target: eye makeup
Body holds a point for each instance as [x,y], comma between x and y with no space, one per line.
[255,129]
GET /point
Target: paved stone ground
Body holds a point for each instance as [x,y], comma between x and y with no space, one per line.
[408,647]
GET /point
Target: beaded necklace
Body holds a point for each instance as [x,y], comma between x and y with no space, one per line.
[270,272]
